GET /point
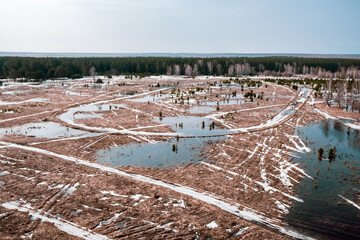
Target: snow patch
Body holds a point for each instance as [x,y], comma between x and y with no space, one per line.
[213,224]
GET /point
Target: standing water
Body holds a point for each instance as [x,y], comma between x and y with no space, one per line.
[171,153]
[327,212]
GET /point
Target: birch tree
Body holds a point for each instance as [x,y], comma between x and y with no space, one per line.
[93,72]
[188,70]
[210,67]
[195,71]
[176,69]
[169,71]
[231,70]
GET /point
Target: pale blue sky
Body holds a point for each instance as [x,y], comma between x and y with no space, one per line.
[200,26]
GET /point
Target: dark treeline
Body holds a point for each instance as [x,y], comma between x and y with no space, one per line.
[50,68]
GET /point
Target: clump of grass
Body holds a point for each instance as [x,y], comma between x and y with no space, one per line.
[320,153]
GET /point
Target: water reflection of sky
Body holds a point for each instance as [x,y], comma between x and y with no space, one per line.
[320,211]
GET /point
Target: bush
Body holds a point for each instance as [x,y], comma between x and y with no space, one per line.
[75,76]
[332,154]
[99,80]
[320,153]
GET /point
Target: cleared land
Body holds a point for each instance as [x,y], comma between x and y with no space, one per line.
[241,183]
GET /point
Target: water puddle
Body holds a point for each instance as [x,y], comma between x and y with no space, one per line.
[171,153]
[324,214]
[192,126]
[86,115]
[87,111]
[166,154]
[43,130]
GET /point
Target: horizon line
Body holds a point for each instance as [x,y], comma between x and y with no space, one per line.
[174,54]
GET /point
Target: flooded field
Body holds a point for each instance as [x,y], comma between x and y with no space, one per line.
[175,158]
[327,212]
[42,130]
[172,153]
[167,154]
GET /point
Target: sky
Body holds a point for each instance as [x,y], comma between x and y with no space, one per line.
[180,26]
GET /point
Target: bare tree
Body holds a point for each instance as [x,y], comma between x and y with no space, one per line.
[176,69]
[305,70]
[328,92]
[289,70]
[345,97]
[169,71]
[231,70]
[342,72]
[188,70]
[352,94]
[238,69]
[219,69]
[195,71]
[93,72]
[246,68]
[356,89]
[261,68]
[210,67]
[339,93]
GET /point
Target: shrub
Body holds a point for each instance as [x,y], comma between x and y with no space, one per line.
[320,153]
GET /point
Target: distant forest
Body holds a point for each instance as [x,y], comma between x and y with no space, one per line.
[32,68]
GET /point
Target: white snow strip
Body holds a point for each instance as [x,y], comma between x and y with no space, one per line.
[219,168]
[88,207]
[87,135]
[107,222]
[65,226]
[166,227]
[25,116]
[283,207]
[96,141]
[136,139]
[269,188]
[155,126]
[54,187]
[246,213]
[323,113]
[25,101]
[241,231]
[354,126]
[113,193]
[349,201]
